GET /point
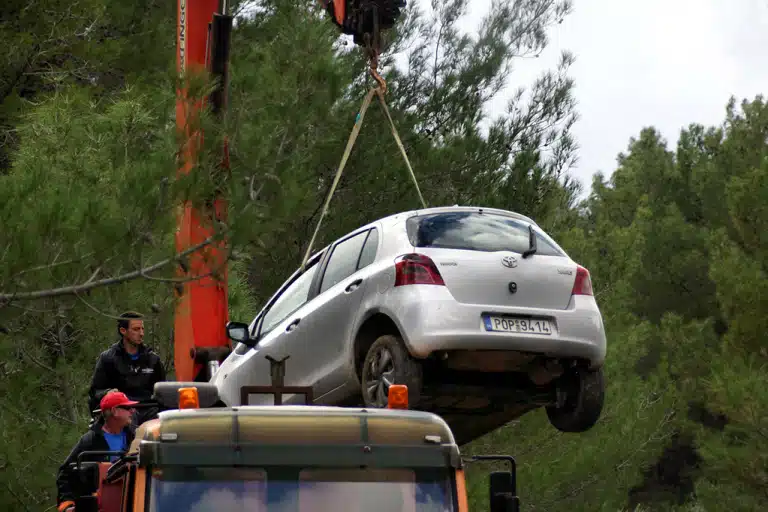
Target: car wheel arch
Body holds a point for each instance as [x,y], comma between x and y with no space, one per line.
[376,325]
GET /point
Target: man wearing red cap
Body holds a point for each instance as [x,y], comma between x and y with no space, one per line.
[115,434]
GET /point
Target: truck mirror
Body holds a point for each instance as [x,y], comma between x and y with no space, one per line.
[503,497]
[86,478]
[87,504]
[238,331]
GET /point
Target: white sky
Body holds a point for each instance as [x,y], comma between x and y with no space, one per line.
[666,63]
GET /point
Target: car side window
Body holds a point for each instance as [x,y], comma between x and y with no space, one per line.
[369,249]
[343,261]
[290,300]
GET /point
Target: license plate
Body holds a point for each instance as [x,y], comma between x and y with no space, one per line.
[518,325]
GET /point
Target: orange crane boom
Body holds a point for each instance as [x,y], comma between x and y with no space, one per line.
[202,40]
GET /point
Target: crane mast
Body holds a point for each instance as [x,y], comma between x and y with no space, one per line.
[202,40]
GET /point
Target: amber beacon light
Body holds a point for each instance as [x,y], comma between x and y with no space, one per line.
[397,396]
[188,398]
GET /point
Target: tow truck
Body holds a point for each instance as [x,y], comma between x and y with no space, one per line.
[197,456]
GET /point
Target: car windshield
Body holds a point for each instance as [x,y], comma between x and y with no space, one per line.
[474,231]
[203,489]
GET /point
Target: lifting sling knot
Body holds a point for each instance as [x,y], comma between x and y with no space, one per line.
[376,76]
[372,43]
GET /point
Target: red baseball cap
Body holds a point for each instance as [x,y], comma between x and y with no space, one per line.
[115,399]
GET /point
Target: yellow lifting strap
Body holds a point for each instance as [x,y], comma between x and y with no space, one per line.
[379,91]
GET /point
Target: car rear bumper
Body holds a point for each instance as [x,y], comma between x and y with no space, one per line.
[431,320]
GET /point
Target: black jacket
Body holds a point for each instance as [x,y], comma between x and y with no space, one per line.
[91,440]
[116,369]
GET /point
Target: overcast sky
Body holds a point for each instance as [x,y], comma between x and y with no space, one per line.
[665,63]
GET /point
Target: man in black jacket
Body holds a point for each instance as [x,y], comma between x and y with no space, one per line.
[128,366]
[115,434]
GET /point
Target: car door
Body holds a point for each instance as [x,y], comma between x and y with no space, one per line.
[277,330]
[340,292]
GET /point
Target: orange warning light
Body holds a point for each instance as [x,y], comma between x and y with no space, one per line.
[397,396]
[188,398]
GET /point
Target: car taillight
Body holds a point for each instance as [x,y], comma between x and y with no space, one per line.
[416,269]
[583,283]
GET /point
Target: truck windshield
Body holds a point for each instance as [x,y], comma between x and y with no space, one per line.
[307,490]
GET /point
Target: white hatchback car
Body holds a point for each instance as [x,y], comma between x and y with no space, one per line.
[477,310]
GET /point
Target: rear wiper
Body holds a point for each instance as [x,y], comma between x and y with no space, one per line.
[531,243]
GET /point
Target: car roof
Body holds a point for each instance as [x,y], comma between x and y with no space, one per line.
[397,217]
[390,219]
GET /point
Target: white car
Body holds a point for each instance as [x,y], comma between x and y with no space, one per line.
[477,310]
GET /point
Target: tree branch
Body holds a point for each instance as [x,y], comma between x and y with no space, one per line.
[16,496]
[95,309]
[89,285]
[36,361]
[182,280]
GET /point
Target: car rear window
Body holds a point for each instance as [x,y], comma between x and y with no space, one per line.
[475,231]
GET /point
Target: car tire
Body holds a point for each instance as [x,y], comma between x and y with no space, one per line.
[388,362]
[584,397]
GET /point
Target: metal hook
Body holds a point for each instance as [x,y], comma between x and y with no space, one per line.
[376,76]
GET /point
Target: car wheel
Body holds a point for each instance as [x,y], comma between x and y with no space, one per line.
[388,362]
[584,396]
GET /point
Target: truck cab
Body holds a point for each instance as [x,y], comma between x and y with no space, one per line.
[296,459]
[288,458]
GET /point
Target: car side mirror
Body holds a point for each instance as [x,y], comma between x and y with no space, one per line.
[238,331]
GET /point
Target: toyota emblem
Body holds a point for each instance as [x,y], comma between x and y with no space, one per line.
[509,261]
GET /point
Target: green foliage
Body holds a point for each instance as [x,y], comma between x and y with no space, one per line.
[89,171]
[670,264]
[96,44]
[737,456]
[742,289]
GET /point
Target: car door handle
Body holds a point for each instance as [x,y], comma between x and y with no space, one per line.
[353,285]
[292,325]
